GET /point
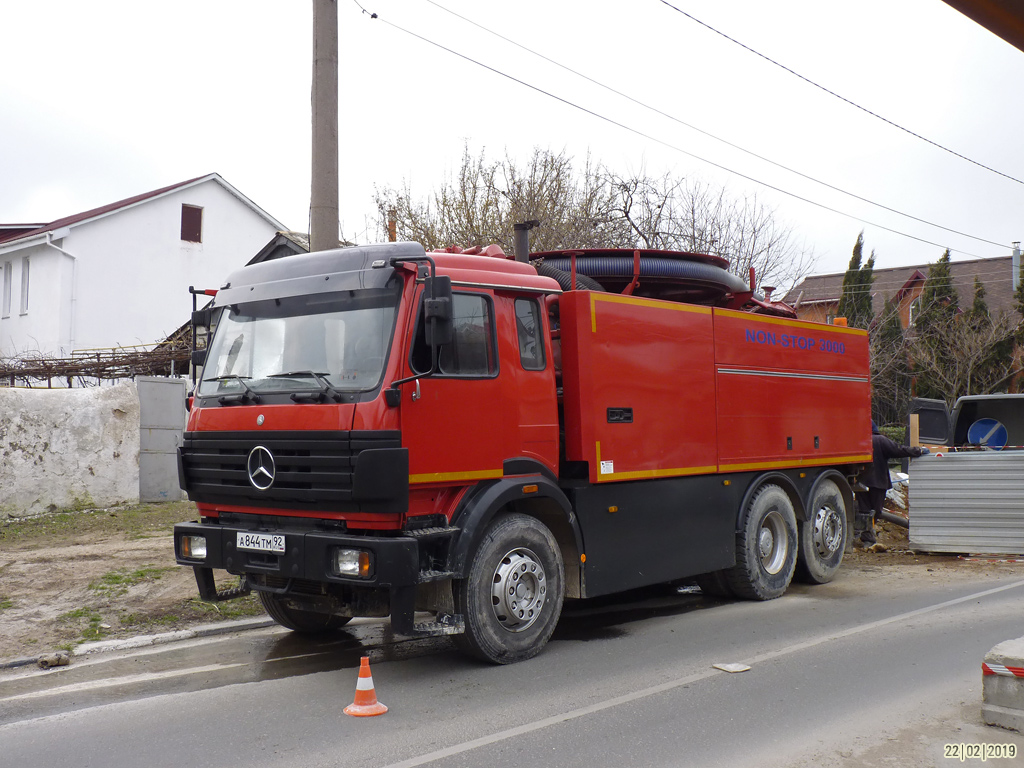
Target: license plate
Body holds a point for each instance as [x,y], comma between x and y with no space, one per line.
[261,542]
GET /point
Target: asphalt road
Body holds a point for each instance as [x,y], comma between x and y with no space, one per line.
[881,667]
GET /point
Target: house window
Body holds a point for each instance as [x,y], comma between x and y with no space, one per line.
[24,285]
[191,223]
[913,311]
[8,279]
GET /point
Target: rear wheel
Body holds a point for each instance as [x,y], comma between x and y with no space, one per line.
[765,546]
[822,538]
[306,622]
[512,595]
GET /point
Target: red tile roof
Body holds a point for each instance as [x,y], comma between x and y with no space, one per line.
[13,231]
[91,214]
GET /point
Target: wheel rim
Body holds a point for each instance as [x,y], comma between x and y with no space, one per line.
[772,542]
[828,531]
[518,590]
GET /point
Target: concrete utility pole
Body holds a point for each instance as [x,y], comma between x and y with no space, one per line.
[1015,261]
[323,199]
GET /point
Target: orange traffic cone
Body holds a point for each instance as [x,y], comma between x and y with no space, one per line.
[365,704]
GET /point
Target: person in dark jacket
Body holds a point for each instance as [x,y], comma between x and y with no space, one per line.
[876,477]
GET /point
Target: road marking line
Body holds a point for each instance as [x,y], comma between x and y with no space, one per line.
[575,714]
[144,677]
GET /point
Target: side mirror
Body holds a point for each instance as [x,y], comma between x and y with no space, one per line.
[437,310]
[198,357]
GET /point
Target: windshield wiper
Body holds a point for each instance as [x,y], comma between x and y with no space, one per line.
[240,397]
[321,378]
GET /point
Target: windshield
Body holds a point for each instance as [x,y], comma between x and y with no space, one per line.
[327,342]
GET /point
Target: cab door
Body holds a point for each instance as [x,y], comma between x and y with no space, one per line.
[455,421]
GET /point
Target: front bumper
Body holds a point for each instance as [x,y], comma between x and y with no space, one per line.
[307,555]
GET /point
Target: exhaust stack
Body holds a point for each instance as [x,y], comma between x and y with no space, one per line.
[521,243]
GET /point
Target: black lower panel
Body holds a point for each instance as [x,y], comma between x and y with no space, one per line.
[660,530]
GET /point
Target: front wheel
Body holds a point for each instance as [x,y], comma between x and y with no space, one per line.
[512,595]
[822,538]
[304,622]
[765,546]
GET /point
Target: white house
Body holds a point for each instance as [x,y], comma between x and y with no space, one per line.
[118,275]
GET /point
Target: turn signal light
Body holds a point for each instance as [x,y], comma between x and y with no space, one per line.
[193,547]
[352,562]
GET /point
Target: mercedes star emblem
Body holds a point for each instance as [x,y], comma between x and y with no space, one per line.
[261,468]
[259,420]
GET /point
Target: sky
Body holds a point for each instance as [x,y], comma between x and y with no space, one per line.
[104,100]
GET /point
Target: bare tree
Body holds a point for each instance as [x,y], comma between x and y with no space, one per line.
[691,215]
[959,356]
[595,207]
[483,203]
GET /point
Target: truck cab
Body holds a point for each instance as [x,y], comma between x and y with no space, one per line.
[322,371]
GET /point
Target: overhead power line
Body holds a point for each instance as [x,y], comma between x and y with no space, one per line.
[841,98]
[662,142]
[710,135]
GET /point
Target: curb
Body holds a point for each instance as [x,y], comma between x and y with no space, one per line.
[143,641]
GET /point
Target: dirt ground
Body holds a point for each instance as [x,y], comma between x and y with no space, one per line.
[105,574]
[97,575]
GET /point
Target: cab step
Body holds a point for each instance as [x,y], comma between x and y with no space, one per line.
[432,533]
[428,576]
[446,624]
[208,589]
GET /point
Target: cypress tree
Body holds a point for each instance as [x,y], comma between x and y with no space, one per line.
[855,301]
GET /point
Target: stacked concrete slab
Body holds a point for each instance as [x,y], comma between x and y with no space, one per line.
[1003,685]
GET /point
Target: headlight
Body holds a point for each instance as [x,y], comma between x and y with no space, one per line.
[193,547]
[352,562]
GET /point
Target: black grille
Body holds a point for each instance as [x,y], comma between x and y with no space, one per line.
[313,469]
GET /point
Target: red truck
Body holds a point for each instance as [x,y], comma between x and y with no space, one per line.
[381,431]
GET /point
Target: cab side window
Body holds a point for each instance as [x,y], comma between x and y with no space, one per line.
[530,330]
[472,351]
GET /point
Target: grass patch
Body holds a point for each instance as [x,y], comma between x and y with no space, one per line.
[135,522]
[190,612]
[145,621]
[116,583]
[229,609]
[5,603]
[89,623]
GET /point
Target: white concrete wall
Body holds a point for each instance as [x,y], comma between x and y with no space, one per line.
[68,448]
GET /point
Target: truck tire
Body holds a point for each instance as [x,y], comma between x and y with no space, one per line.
[714,584]
[822,539]
[765,546]
[304,622]
[512,595]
